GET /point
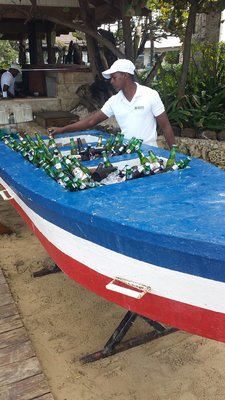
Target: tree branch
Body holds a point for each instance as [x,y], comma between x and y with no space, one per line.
[79,27]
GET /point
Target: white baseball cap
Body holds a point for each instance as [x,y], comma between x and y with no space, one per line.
[16,66]
[121,65]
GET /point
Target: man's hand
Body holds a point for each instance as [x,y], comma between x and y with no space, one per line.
[54,130]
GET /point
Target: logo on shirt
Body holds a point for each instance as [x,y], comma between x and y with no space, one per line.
[139,108]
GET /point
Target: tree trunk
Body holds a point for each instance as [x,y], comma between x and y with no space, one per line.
[154,70]
[187,47]
[92,45]
[127,36]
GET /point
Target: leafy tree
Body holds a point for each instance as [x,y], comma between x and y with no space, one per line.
[8,53]
[178,17]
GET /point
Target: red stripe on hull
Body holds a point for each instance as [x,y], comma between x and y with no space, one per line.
[186,317]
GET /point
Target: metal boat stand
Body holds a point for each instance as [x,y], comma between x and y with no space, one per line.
[114,344]
[46,271]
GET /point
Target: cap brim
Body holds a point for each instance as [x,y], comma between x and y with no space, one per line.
[107,74]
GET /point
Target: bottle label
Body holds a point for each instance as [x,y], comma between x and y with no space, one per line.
[58,166]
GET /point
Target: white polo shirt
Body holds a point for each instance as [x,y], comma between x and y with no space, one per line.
[136,117]
[9,80]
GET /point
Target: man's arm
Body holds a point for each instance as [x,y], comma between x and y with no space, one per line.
[6,90]
[164,124]
[85,123]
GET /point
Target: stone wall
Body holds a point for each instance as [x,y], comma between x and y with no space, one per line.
[209,150]
[67,83]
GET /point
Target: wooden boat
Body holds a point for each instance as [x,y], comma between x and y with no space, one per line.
[154,245]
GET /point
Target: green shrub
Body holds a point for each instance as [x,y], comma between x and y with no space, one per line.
[203,106]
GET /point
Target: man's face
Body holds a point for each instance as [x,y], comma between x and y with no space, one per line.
[117,80]
[14,71]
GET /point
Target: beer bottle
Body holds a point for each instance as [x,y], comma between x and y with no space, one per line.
[117,141]
[12,143]
[85,154]
[77,163]
[143,159]
[131,146]
[68,183]
[29,140]
[99,142]
[106,162]
[99,173]
[154,162]
[23,143]
[137,144]
[121,138]
[73,151]
[32,156]
[172,157]
[67,163]
[51,144]
[147,169]
[109,143]
[183,163]
[138,171]
[129,174]
[80,146]
[57,164]
[41,157]
[80,185]
[123,147]
[40,141]
[50,171]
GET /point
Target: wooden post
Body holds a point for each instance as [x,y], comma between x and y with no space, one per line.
[50,39]
[32,37]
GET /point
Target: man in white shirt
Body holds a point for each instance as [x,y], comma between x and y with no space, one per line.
[8,81]
[136,108]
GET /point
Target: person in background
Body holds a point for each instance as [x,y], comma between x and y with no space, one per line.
[137,108]
[8,81]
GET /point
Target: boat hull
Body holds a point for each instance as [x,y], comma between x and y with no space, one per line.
[175,279]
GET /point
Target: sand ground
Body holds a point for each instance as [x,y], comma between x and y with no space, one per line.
[65,322]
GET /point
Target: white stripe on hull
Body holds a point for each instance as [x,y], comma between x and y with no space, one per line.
[178,286]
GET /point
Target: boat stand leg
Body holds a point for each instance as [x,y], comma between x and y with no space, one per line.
[114,344]
[46,271]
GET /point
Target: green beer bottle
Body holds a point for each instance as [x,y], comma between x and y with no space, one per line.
[154,162]
[77,163]
[99,142]
[73,151]
[143,159]
[172,157]
[129,174]
[109,142]
[50,171]
[12,143]
[118,143]
[147,169]
[57,164]
[68,183]
[51,144]
[106,162]
[131,145]
[40,142]
[137,144]
[183,163]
